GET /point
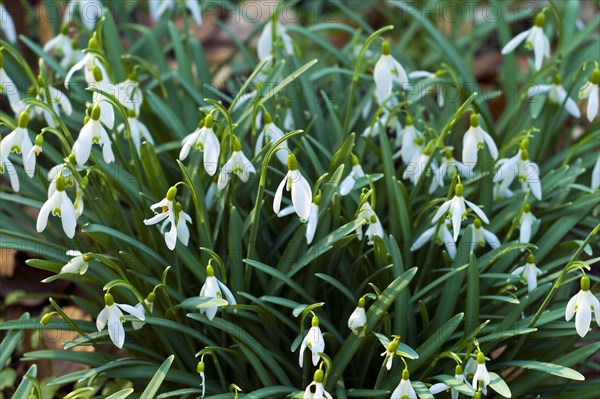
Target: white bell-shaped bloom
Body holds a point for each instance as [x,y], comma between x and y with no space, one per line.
[18,142]
[7,25]
[320,392]
[374,226]
[349,181]
[89,10]
[200,370]
[9,89]
[443,237]
[436,89]
[581,305]
[238,164]
[313,220]
[204,139]
[60,205]
[264,47]
[387,72]
[557,95]
[72,57]
[416,168]
[288,120]
[93,133]
[7,167]
[596,175]
[87,63]
[149,302]
[139,131]
[59,44]
[411,148]
[213,288]
[519,166]
[107,114]
[528,273]
[314,341]
[535,40]
[179,229]
[591,91]
[473,140]
[441,387]
[449,168]
[112,317]
[59,100]
[77,264]
[70,181]
[158,7]
[129,93]
[390,352]
[167,210]
[481,378]
[457,211]
[299,187]
[525,225]
[358,319]
[481,236]
[271,132]
[404,390]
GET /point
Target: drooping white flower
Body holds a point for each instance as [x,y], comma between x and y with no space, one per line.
[591,91]
[60,205]
[149,302]
[129,93]
[92,133]
[528,273]
[200,370]
[158,7]
[271,132]
[443,237]
[7,167]
[288,119]
[441,387]
[525,224]
[556,94]
[60,44]
[320,392]
[428,75]
[502,192]
[535,40]
[449,168]
[519,166]
[179,229]
[58,100]
[349,181]
[387,72]
[596,175]
[204,139]
[481,236]
[358,319]
[9,89]
[390,352]
[213,288]
[18,142]
[138,130]
[374,226]
[7,25]
[264,47]
[237,164]
[313,219]
[457,210]
[299,187]
[416,168]
[107,114]
[314,341]
[581,305]
[87,63]
[70,181]
[73,56]
[474,140]
[481,378]
[404,390]
[411,149]
[77,264]
[90,11]
[112,316]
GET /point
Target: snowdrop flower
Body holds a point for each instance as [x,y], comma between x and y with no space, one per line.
[7,166]
[429,75]
[271,132]
[138,130]
[112,316]
[288,119]
[91,133]
[358,318]
[58,100]
[591,91]
[449,168]
[535,40]
[166,205]
[200,370]
[387,72]
[356,173]
[70,181]
[73,56]
[18,142]
[596,175]
[179,229]
[149,302]
[404,390]
[581,306]
[204,139]
[441,387]
[158,8]
[443,237]
[90,11]
[525,224]
[415,169]
[213,288]
[320,391]
[556,94]
[374,224]
[481,236]
[77,264]
[8,25]
[60,205]
[61,43]
[237,164]
[8,87]
[129,93]
[301,191]
[528,273]
[390,352]
[457,210]
[88,62]
[528,173]
[410,146]
[313,219]
[474,140]
[314,341]
[107,114]
[481,379]
[264,47]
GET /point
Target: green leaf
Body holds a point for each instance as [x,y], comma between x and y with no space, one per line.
[498,385]
[159,376]
[123,393]
[455,384]
[202,302]
[550,368]
[10,342]
[26,385]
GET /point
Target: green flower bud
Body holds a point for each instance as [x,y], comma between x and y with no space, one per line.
[46,318]
[355,160]
[267,118]
[405,375]
[132,75]
[292,162]
[131,113]
[531,259]
[429,148]
[171,193]
[315,321]
[237,146]
[151,297]
[458,370]
[208,121]
[178,208]
[419,140]
[319,375]
[86,119]
[200,367]
[480,358]
[373,219]
[108,299]
[408,121]
[474,120]
[595,78]
[527,208]
[557,79]
[539,20]
[317,199]
[24,119]
[585,283]
[97,73]
[64,29]
[93,42]
[60,182]
[524,155]
[385,48]
[447,154]
[95,113]
[72,159]
[74,44]
[87,258]
[210,271]
[458,190]
[361,303]
[391,348]
[477,223]
[39,140]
